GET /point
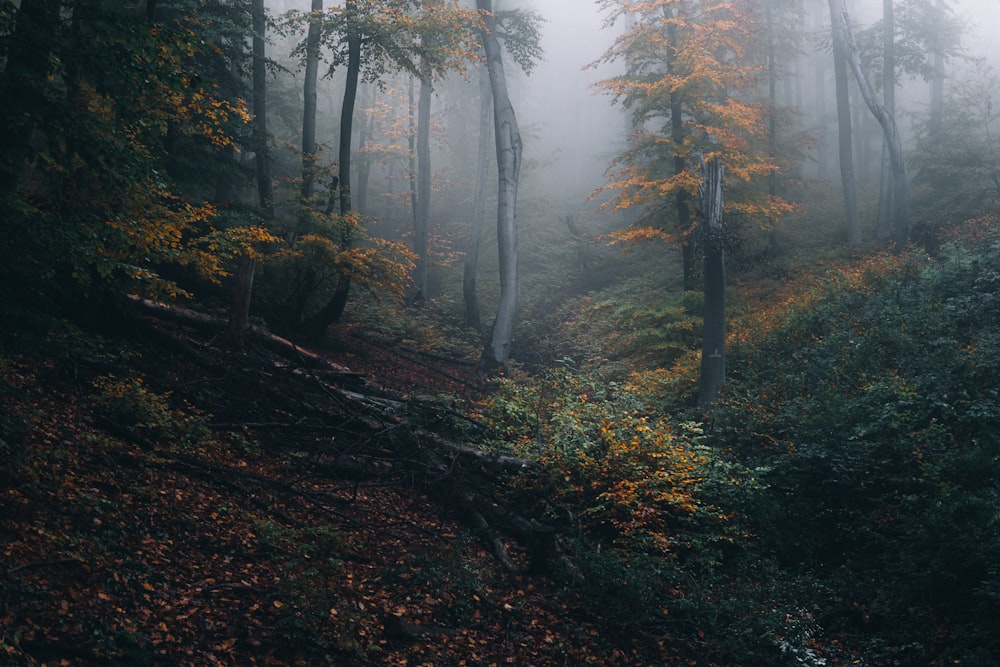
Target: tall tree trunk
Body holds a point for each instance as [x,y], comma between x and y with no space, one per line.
[239,318]
[713,352]
[472,314]
[316,325]
[901,182]
[310,100]
[681,199]
[508,149]
[421,211]
[365,138]
[937,80]
[411,144]
[852,215]
[772,117]
[883,224]
[819,81]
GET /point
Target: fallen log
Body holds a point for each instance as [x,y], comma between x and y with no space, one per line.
[462,478]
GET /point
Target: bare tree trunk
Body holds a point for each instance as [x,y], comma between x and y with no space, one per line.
[677,132]
[883,224]
[472,315]
[309,103]
[713,352]
[316,325]
[239,318]
[364,166]
[411,144]
[421,211]
[901,183]
[508,149]
[852,215]
[937,80]
[819,81]
[772,117]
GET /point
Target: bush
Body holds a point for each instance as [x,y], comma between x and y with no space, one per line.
[874,415]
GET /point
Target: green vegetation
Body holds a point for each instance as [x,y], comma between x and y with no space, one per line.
[841,499]
[176,488]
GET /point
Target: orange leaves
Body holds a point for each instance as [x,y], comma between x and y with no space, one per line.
[631,479]
[690,83]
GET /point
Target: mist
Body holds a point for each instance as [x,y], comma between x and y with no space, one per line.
[572,132]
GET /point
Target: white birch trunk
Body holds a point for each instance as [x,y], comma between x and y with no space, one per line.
[508,149]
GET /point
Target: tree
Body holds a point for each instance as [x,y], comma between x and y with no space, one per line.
[939,44]
[97,109]
[422,191]
[471,264]
[901,186]
[713,352]
[519,32]
[508,151]
[883,223]
[309,97]
[369,38]
[849,184]
[239,318]
[691,71]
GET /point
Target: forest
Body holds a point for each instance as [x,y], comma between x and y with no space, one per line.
[499,332]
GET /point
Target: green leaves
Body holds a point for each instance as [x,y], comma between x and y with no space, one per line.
[873,404]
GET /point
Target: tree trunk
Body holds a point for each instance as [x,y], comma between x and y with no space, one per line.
[262,149]
[852,215]
[901,183]
[309,104]
[239,318]
[508,150]
[937,80]
[316,325]
[421,212]
[772,118]
[677,135]
[883,224]
[820,90]
[713,352]
[364,166]
[472,314]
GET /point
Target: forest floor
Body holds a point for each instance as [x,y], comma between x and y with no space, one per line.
[168,500]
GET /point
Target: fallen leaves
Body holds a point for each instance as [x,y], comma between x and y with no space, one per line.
[242,554]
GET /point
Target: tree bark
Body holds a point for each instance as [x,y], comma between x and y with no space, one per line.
[901,183]
[772,116]
[421,212]
[364,166]
[309,103]
[508,150]
[852,215]
[713,353]
[239,318]
[681,199]
[937,80]
[316,325]
[819,93]
[883,224]
[472,313]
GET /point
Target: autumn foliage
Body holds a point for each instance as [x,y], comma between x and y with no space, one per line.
[693,72]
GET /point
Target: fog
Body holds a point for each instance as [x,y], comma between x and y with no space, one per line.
[572,132]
